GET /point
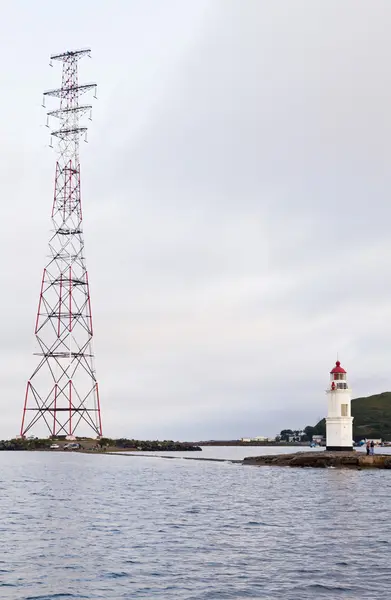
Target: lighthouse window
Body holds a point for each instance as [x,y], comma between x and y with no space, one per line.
[339,376]
[342,386]
[344,410]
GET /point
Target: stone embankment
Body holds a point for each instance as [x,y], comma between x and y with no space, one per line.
[317,460]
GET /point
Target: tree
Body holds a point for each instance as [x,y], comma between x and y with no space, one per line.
[309,431]
[320,428]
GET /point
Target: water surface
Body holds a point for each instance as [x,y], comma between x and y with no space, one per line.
[99,527]
[232,452]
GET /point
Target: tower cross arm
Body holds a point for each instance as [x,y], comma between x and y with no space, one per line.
[62,112]
[72,54]
[70,131]
[76,90]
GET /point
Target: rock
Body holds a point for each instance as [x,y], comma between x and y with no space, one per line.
[322,460]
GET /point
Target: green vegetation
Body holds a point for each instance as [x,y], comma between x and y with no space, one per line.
[102,444]
[319,429]
[372,418]
[24,444]
[292,435]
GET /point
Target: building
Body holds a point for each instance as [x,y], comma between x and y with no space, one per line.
[296,436]
[259,438]
[339,421]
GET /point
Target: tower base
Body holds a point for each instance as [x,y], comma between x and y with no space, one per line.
[339,448]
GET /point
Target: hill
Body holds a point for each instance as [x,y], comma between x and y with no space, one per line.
[372,417]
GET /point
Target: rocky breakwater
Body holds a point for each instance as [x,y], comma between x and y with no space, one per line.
[322,460]
[111,445]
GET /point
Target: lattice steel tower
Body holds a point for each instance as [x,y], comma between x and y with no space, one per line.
[62,393]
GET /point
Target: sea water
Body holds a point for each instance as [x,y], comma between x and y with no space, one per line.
[98,527]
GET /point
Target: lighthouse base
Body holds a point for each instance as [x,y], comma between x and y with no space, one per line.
[339,431]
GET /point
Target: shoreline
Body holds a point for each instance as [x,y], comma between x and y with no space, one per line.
[302,460]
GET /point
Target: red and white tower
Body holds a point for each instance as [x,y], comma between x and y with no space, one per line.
[62,396]
[339,421]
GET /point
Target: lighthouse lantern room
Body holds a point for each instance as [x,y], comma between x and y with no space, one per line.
[339,422]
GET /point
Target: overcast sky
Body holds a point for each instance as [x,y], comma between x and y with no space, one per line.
[236,193]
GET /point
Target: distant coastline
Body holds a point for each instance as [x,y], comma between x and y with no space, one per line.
[247,444]
[129,445]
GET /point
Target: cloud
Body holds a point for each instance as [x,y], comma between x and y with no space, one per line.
[235,193]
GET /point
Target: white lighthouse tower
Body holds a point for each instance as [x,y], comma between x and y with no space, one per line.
[339,422]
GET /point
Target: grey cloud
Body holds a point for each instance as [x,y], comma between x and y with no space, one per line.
[235,193]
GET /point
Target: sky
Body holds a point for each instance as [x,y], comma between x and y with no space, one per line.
[236,206]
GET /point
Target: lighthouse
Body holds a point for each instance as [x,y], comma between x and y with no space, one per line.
[339,422]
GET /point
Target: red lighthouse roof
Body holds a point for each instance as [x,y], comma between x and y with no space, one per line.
[337,368]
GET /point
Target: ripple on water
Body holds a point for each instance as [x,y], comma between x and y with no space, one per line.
[111,527]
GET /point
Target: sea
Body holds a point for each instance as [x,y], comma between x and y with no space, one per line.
[76,526]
